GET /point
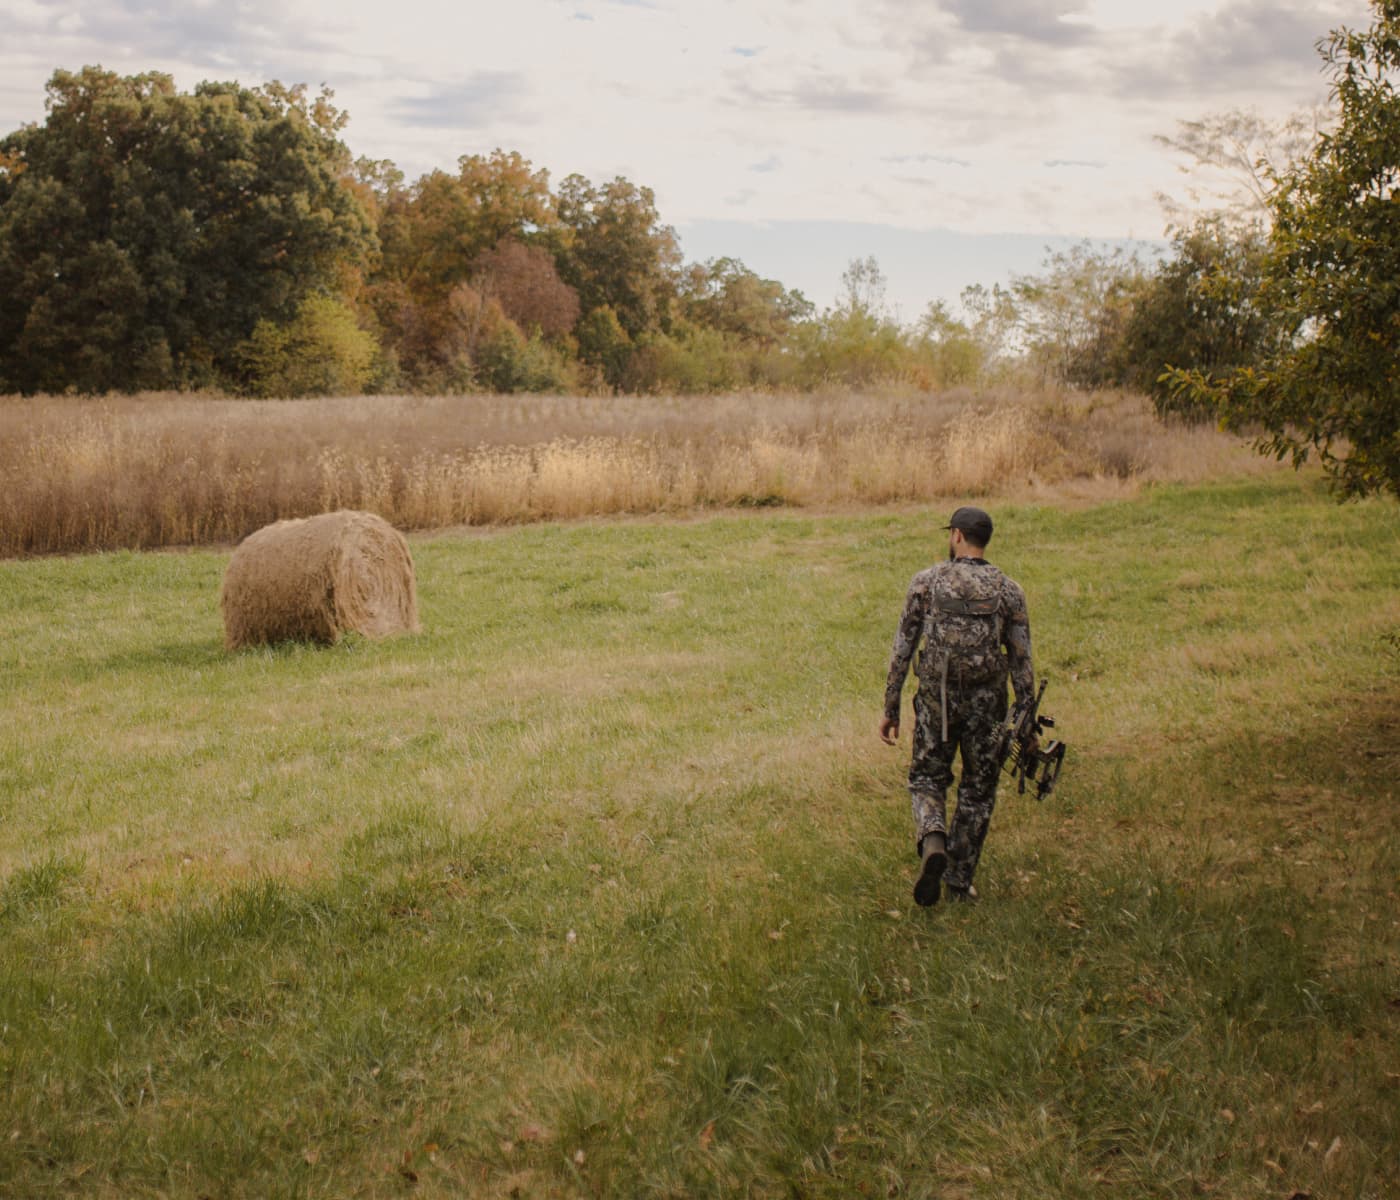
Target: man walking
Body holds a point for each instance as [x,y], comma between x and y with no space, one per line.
[975,630]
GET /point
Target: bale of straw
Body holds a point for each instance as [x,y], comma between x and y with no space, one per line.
[317,578]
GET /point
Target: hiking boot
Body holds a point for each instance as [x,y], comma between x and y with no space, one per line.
[926,887]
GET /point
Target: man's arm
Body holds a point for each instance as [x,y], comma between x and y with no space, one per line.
[1016,637]
[906,641]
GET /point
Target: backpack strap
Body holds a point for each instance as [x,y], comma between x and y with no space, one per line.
[943,697]
[984,607]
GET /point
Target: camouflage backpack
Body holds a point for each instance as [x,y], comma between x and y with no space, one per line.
[964,625]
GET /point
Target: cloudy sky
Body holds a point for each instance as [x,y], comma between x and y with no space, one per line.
[953,139]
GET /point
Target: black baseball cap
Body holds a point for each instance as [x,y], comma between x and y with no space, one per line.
[976,525]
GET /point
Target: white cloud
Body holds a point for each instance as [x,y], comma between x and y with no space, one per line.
[1054,22]
[480,99]
[985,115]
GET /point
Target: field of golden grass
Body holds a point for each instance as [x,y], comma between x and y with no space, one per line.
[170,469]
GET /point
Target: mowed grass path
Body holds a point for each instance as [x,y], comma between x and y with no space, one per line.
[601,884]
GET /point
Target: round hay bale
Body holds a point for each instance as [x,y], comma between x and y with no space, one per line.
[316,578]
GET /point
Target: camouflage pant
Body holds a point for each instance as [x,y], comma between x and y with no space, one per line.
[975,717]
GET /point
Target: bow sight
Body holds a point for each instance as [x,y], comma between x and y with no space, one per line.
[1022,754]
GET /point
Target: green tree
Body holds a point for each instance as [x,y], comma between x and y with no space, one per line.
[507,360]
[322,351]
[948,347]
[1200,310]
[615,252]
[724,295]
[145,232]
[603,343]
[970,348]
[1071,317]
[856,342]
[1332,277]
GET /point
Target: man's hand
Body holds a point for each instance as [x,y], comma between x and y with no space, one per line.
[889,731]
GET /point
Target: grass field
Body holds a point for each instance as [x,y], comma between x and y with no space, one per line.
[601,884]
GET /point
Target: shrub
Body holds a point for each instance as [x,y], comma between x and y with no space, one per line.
[507,361]
[321,352]
[603,343]
[852,346]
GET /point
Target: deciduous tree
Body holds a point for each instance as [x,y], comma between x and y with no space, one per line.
[1200,309]
[1071,316]
[1332,276]
[321,351]
[724,295]
[144,232]
[616,253]
[524,281]
[1231,159]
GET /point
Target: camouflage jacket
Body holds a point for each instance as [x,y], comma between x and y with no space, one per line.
[971,615]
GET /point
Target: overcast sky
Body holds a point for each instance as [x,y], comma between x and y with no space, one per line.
[951,138]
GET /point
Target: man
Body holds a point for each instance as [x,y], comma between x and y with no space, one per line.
[976,632]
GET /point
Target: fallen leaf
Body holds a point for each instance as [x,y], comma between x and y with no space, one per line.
[1315,1107]
[1332,1151]
[1287,930]
[1273,1166]
[507,1146]
[707,1136]
[531,1133]
[311,1157]
[580,1158]
[1227,1116]
[775,935]
[893,913]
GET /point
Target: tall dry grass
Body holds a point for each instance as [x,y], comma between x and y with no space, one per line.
[168,469]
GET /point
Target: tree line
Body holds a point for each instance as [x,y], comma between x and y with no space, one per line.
[225,238]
